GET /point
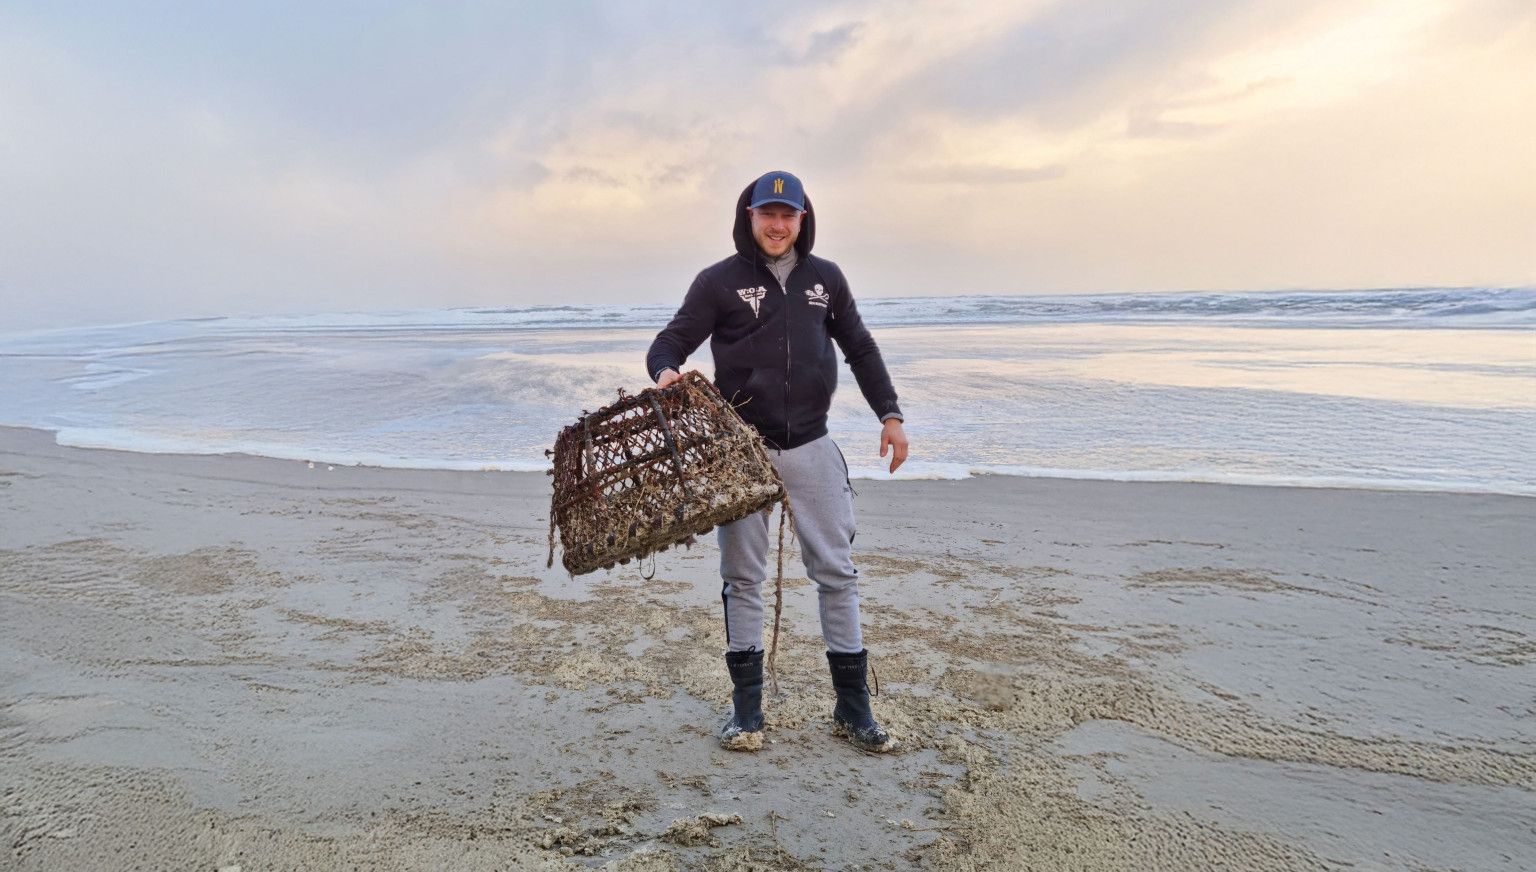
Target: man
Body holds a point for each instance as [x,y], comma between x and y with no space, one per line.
[772,311]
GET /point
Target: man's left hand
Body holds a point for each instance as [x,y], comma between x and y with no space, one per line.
[894,438]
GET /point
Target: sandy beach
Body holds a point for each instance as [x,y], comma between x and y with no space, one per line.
[210,662]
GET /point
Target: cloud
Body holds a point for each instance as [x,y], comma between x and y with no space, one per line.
[828,45]
[307,157]
[989,175]
[824,47]
[591,175]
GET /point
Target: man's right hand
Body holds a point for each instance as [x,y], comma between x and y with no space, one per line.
[668,376]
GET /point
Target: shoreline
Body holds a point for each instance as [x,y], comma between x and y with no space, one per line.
[211,660]
[857,474]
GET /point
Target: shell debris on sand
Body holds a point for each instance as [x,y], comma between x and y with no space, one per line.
[696,830]
[744,742]
[357,614]
[1023,689]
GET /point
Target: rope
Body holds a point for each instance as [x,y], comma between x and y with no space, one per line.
[586,444]
[778,594]
[551,561]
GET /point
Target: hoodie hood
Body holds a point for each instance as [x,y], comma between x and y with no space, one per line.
[746,246]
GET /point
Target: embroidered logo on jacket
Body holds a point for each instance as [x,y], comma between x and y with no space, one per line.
[753,297]
[817,297]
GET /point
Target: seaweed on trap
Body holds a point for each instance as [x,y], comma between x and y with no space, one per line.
[653,470]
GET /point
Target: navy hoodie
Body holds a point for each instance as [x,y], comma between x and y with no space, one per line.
[773,345]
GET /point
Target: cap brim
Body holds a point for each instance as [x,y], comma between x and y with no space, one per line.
[760,203]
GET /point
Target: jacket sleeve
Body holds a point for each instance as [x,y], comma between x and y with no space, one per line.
[861,352]
[694,321]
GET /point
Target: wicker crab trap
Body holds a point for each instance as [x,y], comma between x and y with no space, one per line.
[651,471]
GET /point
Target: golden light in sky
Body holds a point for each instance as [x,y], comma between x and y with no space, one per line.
[1019,148]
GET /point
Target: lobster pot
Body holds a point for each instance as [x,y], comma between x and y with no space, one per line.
[651,471]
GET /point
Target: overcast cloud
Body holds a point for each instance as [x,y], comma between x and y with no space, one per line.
[170,160]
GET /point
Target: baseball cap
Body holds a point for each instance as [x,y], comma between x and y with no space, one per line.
[778,187]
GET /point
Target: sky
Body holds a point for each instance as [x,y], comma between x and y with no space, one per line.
[165,160]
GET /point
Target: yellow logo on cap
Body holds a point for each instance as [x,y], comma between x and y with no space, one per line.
[778,186]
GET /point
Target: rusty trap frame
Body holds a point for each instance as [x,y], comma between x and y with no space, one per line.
[655,469]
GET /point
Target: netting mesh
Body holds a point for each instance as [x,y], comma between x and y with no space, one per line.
[653,470]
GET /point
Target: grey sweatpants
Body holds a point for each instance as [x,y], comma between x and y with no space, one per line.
[822,500]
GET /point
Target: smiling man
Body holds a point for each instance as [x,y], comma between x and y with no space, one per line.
[772,312]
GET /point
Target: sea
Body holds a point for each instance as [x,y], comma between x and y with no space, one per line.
[1408,389]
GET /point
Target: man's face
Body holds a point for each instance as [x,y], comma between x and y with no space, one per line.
[775,226]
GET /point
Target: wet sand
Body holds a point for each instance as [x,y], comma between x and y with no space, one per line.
[211,662]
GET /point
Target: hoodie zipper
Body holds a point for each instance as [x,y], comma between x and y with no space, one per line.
[784,290]
[758,261]
[784,286]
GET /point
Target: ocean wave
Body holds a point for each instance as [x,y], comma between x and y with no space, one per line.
[1478,308]
[952,472]
[126,440]
[146,443]
[1401,308]
[471,389]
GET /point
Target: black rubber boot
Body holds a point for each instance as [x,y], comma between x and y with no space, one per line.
[744,731]
[852,716]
